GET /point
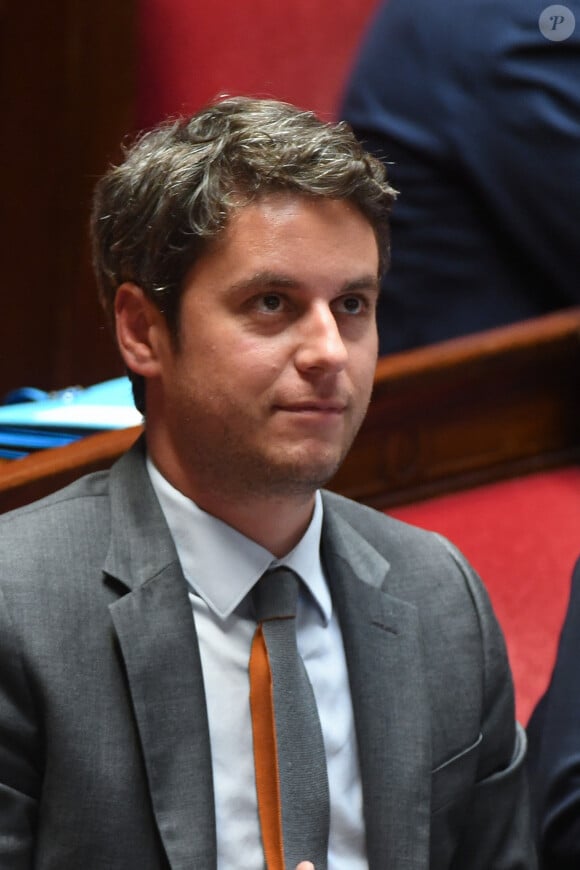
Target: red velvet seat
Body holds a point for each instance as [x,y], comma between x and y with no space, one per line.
[523,537]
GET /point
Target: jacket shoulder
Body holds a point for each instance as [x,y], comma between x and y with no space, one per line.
[47,533]
[89,486]
[387,534]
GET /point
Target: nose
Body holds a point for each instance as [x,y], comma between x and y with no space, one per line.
[321,346]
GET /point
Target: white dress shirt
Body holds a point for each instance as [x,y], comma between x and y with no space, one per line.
[221,566]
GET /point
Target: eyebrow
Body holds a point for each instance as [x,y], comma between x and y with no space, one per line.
[277,280]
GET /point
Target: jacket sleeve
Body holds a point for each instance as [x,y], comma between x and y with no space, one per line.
[19,753]
[554,759]
[497,829]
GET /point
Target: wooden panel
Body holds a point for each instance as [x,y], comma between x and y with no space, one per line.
[468,411]
[67,96]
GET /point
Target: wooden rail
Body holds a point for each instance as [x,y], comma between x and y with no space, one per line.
[492,405]
[24,480]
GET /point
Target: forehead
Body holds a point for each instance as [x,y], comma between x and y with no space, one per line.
[290,228]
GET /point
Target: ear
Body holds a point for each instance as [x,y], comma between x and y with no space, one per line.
[140,328]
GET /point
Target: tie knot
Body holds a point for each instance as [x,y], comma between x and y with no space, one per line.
[275,595]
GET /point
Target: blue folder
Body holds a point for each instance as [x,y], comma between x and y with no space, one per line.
[51,420]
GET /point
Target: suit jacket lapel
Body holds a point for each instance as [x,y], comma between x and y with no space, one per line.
[158,642]
[385,662]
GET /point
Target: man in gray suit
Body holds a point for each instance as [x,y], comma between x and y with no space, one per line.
[239,254]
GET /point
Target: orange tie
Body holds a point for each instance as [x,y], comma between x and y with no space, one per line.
[265,753]
[289,756]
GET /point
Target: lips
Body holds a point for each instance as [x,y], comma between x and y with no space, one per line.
[317,407]
[318,414]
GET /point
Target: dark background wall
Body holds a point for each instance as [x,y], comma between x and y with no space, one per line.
[67,92]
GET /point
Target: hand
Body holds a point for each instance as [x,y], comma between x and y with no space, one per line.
[305,865]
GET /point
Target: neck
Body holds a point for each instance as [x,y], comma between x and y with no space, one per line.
[276,524]
[275,521]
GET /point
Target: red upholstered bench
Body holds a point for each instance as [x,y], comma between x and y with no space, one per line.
[523,537]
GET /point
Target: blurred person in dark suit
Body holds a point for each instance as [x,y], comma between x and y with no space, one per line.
[554,750]
[475,105]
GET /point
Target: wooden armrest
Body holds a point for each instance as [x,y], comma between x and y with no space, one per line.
[24,480]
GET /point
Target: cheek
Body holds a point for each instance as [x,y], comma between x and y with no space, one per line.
[363,360]
[238,375]
[259,361]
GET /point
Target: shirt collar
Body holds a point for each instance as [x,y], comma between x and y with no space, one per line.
[221,565]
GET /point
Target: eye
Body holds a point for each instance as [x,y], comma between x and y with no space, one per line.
[270,302]
[352,304]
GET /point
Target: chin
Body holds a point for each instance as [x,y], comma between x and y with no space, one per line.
[302,476]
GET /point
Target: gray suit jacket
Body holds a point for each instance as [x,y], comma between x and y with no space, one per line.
[104,746]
